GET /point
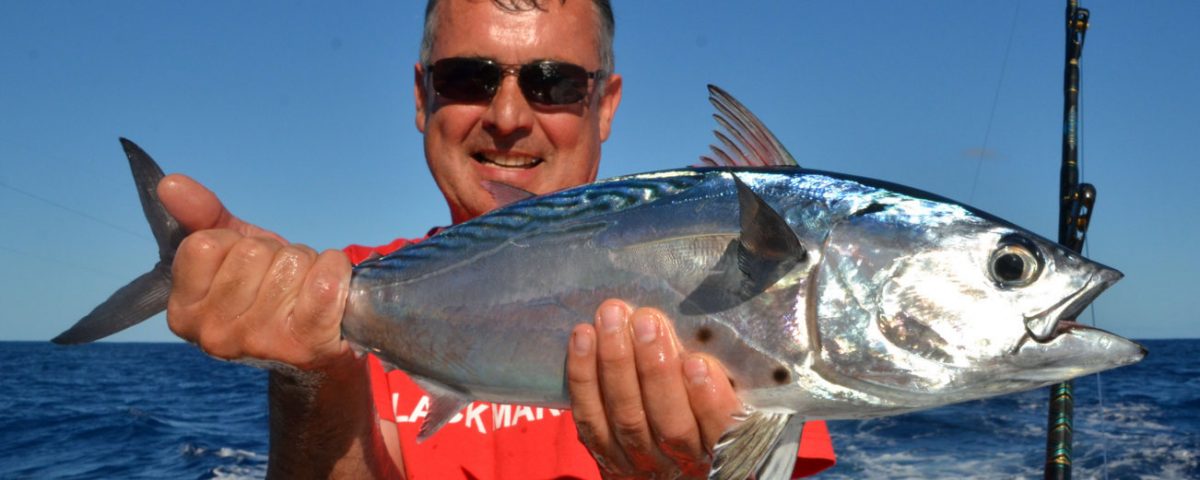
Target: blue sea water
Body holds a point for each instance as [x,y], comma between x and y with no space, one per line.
[167,411]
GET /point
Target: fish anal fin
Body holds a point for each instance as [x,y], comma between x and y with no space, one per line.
[763,446]
[781,460]
[504,193]
[444,404]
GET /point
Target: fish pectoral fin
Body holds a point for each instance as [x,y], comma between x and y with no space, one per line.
[444,404]
[764,252]
[767,247]
[762,446]
[504,193]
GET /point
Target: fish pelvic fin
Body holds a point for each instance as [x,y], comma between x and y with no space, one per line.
[748,142]
[762,446]
[444,404]
[147,295]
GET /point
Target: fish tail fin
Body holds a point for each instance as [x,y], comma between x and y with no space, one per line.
[147,295]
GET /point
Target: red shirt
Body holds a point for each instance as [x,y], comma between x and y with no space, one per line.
[487,440]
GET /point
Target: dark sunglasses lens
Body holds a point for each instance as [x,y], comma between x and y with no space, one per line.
[465,79]
[554,83]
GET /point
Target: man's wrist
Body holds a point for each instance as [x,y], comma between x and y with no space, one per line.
[321,421]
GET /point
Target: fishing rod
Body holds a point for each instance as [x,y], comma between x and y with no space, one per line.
[1076,202]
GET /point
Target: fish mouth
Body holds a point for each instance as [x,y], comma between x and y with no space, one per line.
[508,160]
[1059,318]
[1075,351]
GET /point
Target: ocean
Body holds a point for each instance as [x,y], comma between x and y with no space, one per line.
[137,410]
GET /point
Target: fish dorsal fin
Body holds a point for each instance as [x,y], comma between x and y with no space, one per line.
[762,445]
[504,193]
[748,143]
[444,404]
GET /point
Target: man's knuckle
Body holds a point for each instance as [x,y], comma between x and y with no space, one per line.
[629,423]
[252,248]
[299,254]
[202,244]
[214,342]
[270,347]
[682,447]
[615,360]
[653,367]
[178,324]
[579,375]
[679,438]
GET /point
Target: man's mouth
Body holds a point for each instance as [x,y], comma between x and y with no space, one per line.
[503,160]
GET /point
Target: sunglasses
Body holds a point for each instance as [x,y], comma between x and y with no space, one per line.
[544,82]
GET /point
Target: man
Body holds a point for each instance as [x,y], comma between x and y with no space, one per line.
[642,407]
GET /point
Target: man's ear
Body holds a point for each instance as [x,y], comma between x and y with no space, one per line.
[608,104]
[422,97]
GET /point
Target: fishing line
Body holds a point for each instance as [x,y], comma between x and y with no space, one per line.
[75,265]
[75,212]
[987,133]
[1087,252]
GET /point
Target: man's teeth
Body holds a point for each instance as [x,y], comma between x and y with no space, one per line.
[509,161]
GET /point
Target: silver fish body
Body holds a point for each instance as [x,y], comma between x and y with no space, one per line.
[825,296]
[894,306]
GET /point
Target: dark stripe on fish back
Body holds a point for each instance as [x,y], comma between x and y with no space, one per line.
[539,212]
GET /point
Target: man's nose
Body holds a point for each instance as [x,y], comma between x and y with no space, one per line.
[509,113]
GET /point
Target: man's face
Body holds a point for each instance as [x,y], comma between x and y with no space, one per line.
[510,140]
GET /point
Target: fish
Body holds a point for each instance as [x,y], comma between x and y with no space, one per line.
[825,295]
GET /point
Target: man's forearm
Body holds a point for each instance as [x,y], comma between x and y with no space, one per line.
[323,424]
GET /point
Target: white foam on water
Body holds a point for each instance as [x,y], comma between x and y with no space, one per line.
[226,452]
[239,472]
[921,465]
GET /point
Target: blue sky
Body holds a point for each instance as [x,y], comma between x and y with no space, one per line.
[300,116]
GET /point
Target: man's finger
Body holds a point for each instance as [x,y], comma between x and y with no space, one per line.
[713,400]
[587,404]
[236,285]
[617,371]
[196,263]
[316,321]
[287,273]
[663,391]
[277,298]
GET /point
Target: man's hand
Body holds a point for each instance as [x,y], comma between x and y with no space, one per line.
[242,292]
[643,407]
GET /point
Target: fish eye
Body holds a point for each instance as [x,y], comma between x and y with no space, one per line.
[1014,265]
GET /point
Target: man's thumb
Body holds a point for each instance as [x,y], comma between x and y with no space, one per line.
[198,208]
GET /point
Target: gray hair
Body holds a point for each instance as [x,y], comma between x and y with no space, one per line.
[604,38]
